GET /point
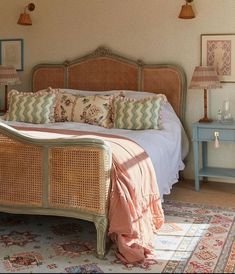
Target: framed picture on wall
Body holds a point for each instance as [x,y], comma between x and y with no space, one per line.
[218,50]
[11,53]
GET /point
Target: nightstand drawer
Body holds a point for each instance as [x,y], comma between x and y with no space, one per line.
[209,134]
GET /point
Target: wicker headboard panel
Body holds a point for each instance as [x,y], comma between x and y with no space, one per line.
[104,70]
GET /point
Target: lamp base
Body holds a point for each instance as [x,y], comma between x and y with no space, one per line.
[205,120]
[5,102]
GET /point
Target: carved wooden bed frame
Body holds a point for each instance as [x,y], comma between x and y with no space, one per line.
[103,70]
[68,177]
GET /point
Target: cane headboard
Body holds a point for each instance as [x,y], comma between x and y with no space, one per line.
[104,70]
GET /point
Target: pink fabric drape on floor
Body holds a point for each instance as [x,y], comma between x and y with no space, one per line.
[135,210]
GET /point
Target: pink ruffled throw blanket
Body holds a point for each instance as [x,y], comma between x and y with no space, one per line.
[135,210]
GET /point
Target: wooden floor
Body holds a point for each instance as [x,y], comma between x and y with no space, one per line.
[211,193]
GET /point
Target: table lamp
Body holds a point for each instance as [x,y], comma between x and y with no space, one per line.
[205,77]
[8,76]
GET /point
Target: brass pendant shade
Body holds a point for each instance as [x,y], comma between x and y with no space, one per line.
[187,11]
[24,18]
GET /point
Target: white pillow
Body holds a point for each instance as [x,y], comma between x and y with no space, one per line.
[127,93]
[138,94]
[90,93]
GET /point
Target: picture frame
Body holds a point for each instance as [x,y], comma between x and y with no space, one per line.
[11,53]
[218,50]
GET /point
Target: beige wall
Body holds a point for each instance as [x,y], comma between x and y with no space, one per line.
[145,29]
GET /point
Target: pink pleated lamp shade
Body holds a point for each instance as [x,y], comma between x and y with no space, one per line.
[205,77]
[8,75]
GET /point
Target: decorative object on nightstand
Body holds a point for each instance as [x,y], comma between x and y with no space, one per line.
[8,76]
[187,11]
[226,114]
[25,17]
[205,77]
[219,115]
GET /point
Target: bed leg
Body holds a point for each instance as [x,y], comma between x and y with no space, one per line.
[101,224]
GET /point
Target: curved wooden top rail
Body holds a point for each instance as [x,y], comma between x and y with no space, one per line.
[27,138]
[104,70]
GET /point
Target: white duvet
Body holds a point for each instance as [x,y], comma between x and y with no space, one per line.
[166,147]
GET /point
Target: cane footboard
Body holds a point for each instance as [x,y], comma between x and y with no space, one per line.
[63,177]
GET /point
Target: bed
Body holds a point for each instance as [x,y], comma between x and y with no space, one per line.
[30,161]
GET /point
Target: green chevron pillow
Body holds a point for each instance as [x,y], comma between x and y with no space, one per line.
[138,114]
[31,108]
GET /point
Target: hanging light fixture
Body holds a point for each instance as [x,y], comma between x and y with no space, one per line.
[187,11]
[25,17]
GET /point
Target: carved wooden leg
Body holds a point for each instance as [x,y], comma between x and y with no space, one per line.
[101,224]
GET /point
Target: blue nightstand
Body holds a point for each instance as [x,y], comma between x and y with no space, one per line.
[208,132]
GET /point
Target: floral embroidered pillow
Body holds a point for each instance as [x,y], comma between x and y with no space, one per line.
[95,110]
[64,107]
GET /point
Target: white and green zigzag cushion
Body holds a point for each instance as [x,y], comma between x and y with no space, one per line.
[32,108]
[138,114]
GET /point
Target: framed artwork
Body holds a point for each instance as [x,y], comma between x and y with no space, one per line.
[11,53]
[218,50]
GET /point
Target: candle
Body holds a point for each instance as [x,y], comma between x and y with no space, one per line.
[226,105]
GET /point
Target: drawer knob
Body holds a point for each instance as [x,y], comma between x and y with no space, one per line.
[216,134]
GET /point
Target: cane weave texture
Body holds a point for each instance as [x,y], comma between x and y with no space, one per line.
[79,178]
[104,70]
[21,173]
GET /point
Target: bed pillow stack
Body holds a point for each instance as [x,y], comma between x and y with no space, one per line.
[111,109]
[55,105]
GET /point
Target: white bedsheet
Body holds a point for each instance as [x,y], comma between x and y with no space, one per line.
[166,148]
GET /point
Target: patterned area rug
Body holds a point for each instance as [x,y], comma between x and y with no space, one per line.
[195,239]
